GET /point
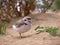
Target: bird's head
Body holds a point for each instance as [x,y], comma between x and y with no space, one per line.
[27,20]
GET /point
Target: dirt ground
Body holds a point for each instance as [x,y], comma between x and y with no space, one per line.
[30,37]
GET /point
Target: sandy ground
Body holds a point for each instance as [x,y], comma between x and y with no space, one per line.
[30,37]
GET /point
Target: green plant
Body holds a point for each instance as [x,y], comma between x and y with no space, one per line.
[51,30]
[56,5]
[3,27]
[39,29]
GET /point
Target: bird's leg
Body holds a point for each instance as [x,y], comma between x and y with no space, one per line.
[20,35]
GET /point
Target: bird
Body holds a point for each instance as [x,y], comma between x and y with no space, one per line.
[23,25]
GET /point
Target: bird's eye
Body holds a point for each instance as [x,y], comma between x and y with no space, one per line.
[24,20]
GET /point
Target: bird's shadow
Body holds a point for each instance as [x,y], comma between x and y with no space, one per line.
[28,36]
